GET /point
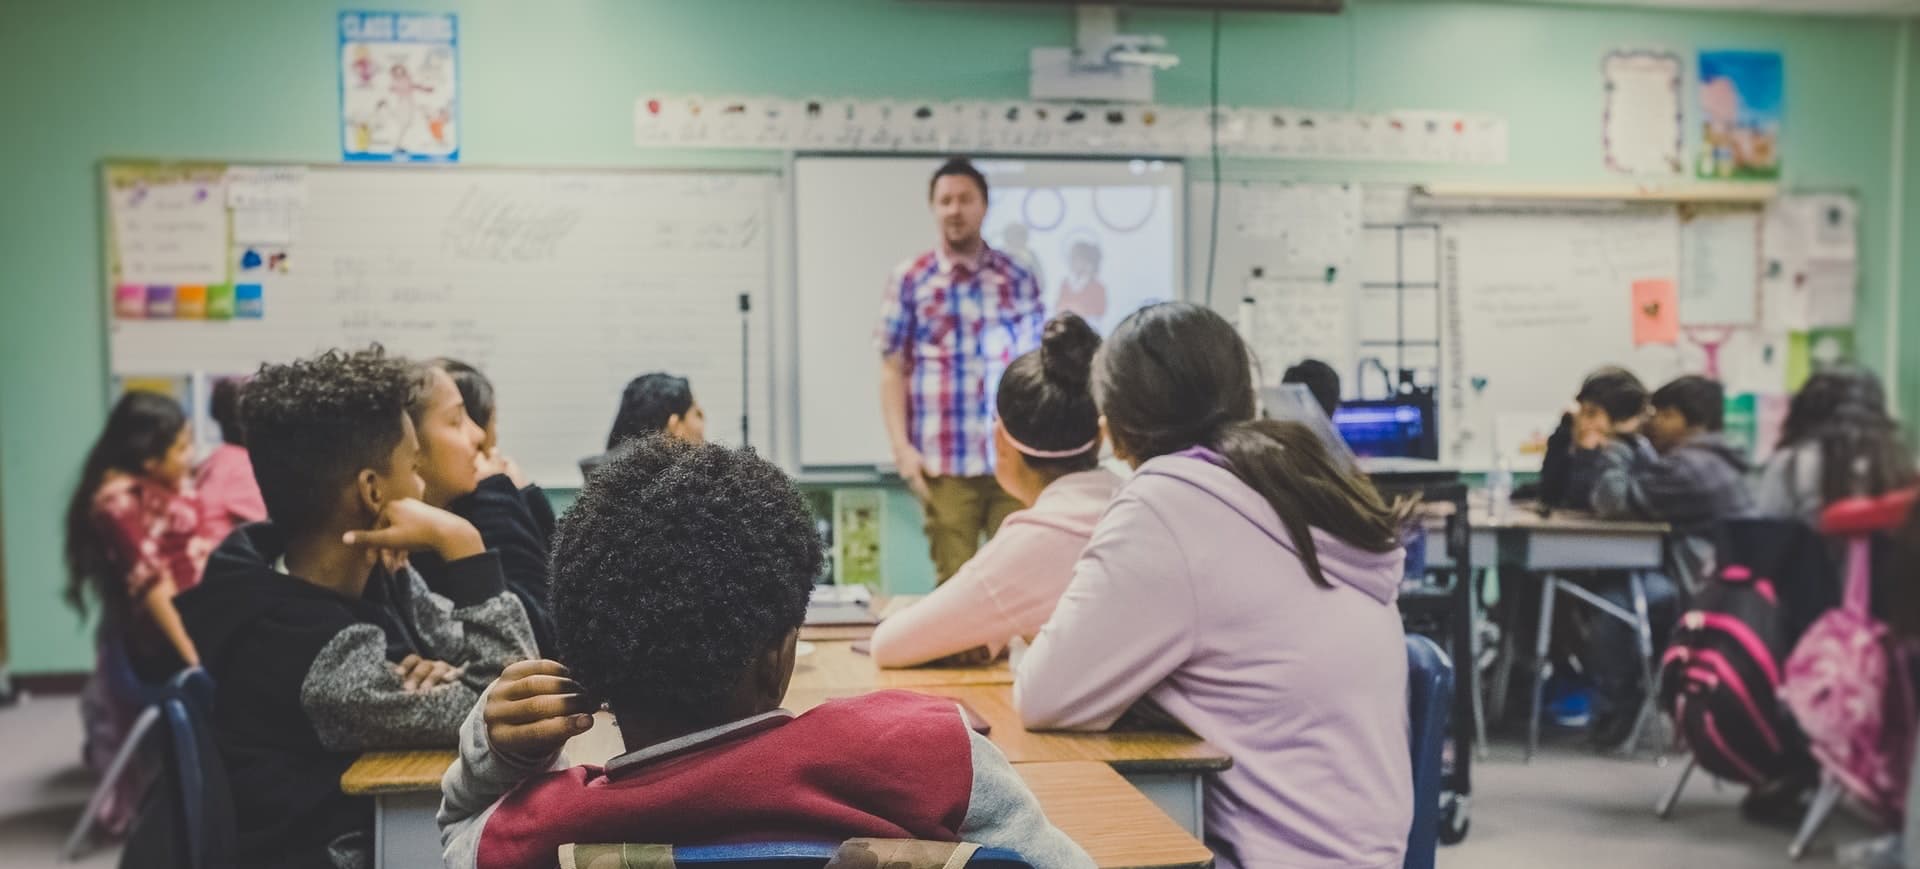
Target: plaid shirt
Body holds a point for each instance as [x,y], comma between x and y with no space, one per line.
[958,326]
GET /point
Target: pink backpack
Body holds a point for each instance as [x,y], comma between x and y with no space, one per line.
[1848,686]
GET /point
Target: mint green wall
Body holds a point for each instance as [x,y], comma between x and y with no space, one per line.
[554,84]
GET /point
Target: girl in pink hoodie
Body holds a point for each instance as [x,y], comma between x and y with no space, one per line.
[1244,583]
[1047,455]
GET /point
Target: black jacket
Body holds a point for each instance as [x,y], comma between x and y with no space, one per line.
[509,526]
[304,683]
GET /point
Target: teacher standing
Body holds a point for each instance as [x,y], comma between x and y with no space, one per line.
[952,319]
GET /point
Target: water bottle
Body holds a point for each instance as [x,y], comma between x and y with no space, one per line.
[1500,491]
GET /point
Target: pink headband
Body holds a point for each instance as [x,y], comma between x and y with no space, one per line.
[1048,454]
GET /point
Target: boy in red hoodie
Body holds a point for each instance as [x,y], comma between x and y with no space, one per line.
[679,582]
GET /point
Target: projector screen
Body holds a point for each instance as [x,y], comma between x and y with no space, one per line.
[1103,238]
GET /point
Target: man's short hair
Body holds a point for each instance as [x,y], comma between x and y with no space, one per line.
[678,567]
[962,167]
[1701,400]
[313,424]
[1616,391]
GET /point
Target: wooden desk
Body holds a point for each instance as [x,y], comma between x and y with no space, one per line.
[835,665]
[836,633]
[1170,768]
[1089,802]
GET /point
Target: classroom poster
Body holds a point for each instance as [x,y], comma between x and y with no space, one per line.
[399,87]
[1656,315]
[1641,125]
[1741,105]
[1816,350]
[857,536]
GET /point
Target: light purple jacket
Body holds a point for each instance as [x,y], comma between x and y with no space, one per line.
[1190,594]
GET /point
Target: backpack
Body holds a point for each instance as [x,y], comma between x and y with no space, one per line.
[1848,685]
[1720,677]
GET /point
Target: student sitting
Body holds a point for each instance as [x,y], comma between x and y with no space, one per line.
[322,642]
[1838,441]
[1682,472]
[651,403]
[1320,379]
[478,485]
[228,494]
[1047,455]
[484,409]
[135,539]
[1244,583]
[1609,394]
[680,580]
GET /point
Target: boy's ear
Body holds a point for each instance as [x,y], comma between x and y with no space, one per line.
[774,671]
[369,492]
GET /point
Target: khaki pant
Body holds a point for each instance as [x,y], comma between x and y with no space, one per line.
[959,510]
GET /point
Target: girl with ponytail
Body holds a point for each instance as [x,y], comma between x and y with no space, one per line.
[1047,442]
[1244,582]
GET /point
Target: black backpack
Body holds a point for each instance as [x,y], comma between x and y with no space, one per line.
[1720,677]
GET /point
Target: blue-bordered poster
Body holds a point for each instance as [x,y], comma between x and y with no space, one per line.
[399,87]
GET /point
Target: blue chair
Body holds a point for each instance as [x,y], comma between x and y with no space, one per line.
[204,802]
[1429,696]
[116,670]
[187,819]
[807,855]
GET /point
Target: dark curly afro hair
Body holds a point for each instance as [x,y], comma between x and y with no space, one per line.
[678,566]
[313,424]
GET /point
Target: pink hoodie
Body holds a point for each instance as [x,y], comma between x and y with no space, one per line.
[1009,587]
[1190,594]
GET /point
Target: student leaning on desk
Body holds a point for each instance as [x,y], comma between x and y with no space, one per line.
[699,560]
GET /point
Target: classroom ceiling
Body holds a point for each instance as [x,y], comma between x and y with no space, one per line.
[1789,7]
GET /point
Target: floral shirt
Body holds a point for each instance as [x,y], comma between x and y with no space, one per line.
[154,531]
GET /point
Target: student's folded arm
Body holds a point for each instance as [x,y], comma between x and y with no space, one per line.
[1615,483]
[509,527]
[1003,813]
[1125,623]
[473,622]
[962,614]
[357,702]
[475,784]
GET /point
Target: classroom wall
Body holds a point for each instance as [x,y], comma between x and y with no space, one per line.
[554,84]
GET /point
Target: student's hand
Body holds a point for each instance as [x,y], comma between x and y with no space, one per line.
[419,674]
[407,525]
[533,709]
[912,468]
[490,463]
[1591,428]
[1632,424]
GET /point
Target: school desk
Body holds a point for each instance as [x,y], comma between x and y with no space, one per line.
[1545,546]
[1170,767]
[835,664]
[1088,801]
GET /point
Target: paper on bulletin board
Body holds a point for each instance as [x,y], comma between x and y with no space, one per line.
[1741,104]
[1641,125]
[1815,350]
[1656,318]
[1521,438]
[1304,229]
[169,227]
[399,87]
[1753,360]
[1720,268]
[1810,273]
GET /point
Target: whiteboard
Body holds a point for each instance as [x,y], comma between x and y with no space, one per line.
[1535,301]
[858,218]
[560,285]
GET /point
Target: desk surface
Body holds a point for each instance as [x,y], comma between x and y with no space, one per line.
[1124,750]
[1524,516]
[1117,825]
[1088,801]
[837,665]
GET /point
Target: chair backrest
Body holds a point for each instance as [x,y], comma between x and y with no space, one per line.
[204,802]
[1429,696]
[806,855]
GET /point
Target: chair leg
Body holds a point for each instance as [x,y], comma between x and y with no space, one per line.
[1664,807]
[1816,817]
[122,759]
[1543,640]
[1474,618]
